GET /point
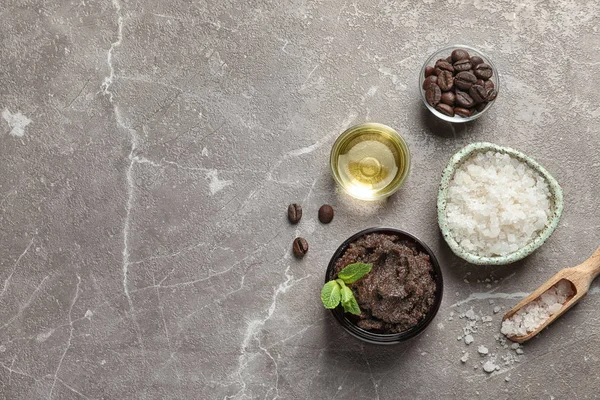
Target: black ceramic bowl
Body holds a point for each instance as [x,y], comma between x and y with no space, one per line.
[381,338]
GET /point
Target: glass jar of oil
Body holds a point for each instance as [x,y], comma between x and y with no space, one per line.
[370,161]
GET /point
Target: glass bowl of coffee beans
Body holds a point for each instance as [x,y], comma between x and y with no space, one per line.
[459,83]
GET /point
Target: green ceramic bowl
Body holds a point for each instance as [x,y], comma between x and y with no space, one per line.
[556,204]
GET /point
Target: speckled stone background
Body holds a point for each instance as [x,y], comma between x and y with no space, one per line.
[148,152]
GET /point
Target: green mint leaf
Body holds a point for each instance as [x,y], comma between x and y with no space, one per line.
[341,282]
[351,306]
[353,272]
[347,294]
[330,294]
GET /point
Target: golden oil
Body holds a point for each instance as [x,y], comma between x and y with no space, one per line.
[370,161]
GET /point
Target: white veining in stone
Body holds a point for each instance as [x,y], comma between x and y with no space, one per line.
[27,303]
[17,122]
[106,86]
[490,295]
[215,184]
[14,267]
[42,337]
[71,330]
[108,81]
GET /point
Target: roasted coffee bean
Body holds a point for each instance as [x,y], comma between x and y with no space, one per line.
[462,65]
[445,80]
[463,112]
[481,106]
[480,82]
[483,71]
[294,213]
[476,60]
[488,84]
[464,80]
[429,70]
[445,109]
[449,59]
[460,54]
[325,213]
[448,98]
[492,94]
[478,93]
[443,65]
[464,100]
[433,94]
[429,80]
[300,247]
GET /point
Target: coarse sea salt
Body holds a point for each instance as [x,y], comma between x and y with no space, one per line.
[535,313]
[496,204]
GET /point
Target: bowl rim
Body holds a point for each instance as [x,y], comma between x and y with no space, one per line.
[459,120]
[393,338]
[455,161]
[375,125]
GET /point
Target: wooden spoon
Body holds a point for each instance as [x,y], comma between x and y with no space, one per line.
[580,278]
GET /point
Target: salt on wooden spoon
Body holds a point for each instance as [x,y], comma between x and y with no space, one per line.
[580,279]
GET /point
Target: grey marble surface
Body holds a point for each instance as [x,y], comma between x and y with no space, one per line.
[149,149]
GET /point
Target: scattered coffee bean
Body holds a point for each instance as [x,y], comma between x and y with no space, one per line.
[448,98]
[443,65]
[429,80]
[464,80]
[294,213]
[445,109]
[300,247]
[476,60]
[463,112]
[459,85]
[445,80]
[479,94]
[460,54]
[433,94]
[464,100]
[325,213]
[462,65]
[429,70]
[483,71]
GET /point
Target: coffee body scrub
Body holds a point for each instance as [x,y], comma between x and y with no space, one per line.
[400,289]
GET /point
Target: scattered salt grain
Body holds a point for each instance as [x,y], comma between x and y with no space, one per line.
[519,351]
[515,346]
[535,313]
[469,339]
[486,319]
[496,310]
[489,366]
[496,204]
[488,286]
[464,358]
[482,350]
[507,379]
[471,315]
[465,280]
[491,302]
